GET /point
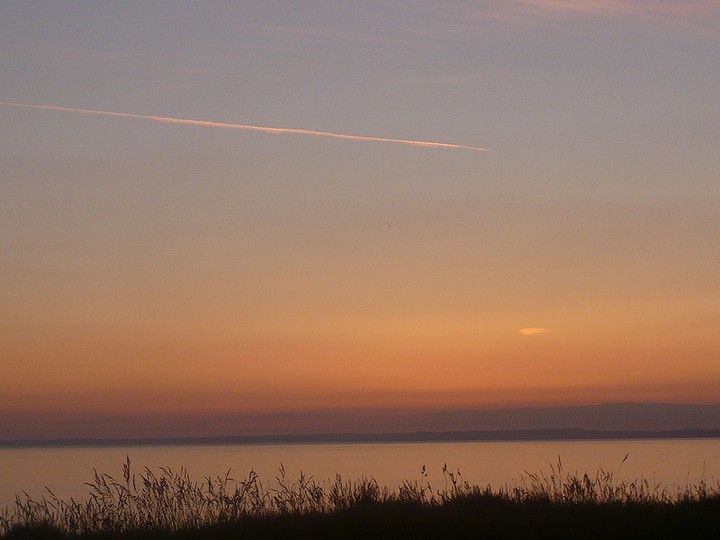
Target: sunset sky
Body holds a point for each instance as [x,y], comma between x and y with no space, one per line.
[156,267]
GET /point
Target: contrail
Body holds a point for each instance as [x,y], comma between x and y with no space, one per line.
[225,125]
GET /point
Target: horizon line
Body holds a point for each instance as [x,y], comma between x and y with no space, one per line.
[467,435]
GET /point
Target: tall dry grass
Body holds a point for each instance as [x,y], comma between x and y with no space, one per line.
[170,500]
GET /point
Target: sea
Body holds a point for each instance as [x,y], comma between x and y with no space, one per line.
[667,463]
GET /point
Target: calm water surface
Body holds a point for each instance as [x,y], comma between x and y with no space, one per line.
[66,470]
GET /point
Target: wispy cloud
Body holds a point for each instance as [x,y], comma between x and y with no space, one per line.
[666,7]
[578,6]
[695,16]
[262,129]
[532,331]
[332,36]
[688,14]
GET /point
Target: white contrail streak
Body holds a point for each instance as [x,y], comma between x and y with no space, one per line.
[225,125]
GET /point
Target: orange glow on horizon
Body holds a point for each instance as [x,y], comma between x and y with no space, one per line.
[358,365]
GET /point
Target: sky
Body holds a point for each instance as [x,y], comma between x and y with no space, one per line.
[185,257]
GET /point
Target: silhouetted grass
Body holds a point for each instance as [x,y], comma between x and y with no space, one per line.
[169,504]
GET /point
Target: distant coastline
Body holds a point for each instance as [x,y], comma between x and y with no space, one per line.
[561,434]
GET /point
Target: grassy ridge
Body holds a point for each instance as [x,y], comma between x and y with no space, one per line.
[169,504]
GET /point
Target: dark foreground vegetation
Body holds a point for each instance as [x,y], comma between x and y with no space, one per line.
[169,505]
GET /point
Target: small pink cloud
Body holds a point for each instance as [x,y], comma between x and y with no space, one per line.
[532,331]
